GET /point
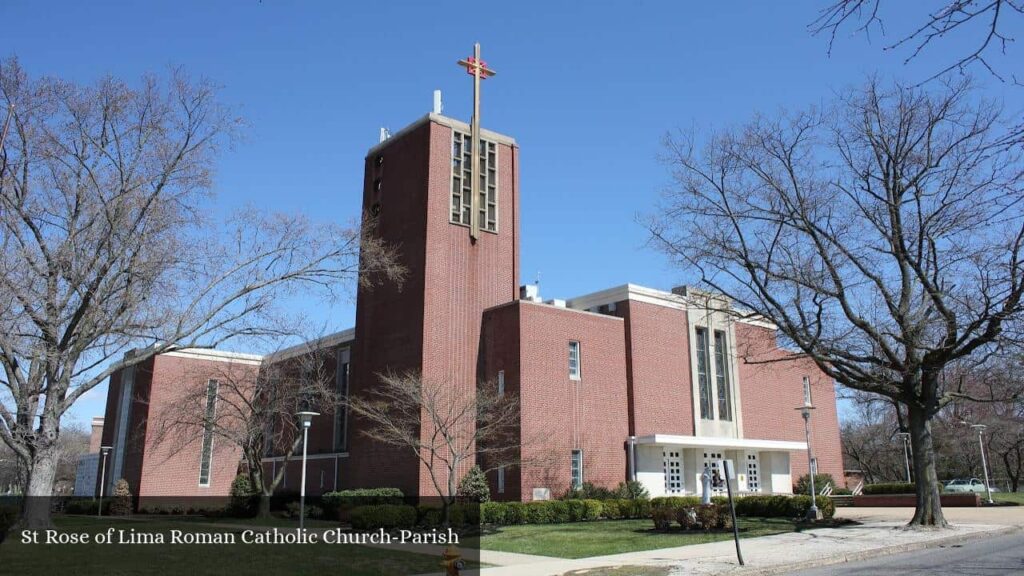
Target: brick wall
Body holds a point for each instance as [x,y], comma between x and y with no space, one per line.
[560,414]
[770,390]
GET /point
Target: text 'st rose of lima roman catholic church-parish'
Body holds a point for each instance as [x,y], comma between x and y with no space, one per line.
[623,383]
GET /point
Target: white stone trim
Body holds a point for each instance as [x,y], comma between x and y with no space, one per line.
[328,341]
[444,121]
[654,296]
[720,442]
[215,355]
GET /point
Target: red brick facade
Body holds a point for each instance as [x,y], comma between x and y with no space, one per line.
[459,319]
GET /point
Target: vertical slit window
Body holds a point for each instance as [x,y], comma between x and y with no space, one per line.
[577,468]
[574,360]
[462,174]
[206,458]
[703,377]
[341,384]
[722,376]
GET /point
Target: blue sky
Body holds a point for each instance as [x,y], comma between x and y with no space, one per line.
[587,89]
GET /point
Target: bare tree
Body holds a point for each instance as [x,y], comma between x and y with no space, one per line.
[255,412]
[869,439]
[109,245]
[988,21]
[447,428]
[882,235]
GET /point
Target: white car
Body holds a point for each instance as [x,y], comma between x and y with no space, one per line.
[962,485]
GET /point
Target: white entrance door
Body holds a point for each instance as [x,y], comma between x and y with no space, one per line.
[673,465]
[753,473]
[713,460]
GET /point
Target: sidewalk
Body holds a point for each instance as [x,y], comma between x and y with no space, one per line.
[766,555]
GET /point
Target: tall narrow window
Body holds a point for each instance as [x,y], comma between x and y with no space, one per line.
[206,458]
[501,382]
[461,178]
[722,376]
[501,480]
[576,469]
[341,410]
[703,377]
[574,360]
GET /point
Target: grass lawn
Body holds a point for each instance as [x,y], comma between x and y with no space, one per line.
[196,559]
[583,539]
[1013,497]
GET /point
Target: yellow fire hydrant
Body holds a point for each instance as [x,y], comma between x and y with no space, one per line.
[452,561]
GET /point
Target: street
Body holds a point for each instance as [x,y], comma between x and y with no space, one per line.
[987,557]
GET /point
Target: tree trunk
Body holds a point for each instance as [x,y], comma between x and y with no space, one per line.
[35,511]
[264,508]
[929,508]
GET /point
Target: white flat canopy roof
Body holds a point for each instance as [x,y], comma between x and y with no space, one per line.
[720,442]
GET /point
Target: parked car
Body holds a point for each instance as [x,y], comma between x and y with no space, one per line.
[962,485]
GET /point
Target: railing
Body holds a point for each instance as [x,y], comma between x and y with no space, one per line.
[826,490]
[858,489]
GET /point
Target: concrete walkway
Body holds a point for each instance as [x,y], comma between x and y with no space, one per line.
[769,554]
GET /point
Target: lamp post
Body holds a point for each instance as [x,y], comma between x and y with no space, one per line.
[306,419]
[104,450]
[812,513]
[905,436]
[984,463]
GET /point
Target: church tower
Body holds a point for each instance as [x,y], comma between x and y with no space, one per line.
[461,256]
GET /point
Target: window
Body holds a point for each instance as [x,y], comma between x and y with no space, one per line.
[462,176]
[501,382]
[574,360]
[703,377]
[206,457]
[807,391]
[722,377]
[577,468]
[341,410]
[501,480]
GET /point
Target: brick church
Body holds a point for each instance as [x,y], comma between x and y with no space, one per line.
[623,383]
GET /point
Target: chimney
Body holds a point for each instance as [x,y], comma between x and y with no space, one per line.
[96,438]
[438,106]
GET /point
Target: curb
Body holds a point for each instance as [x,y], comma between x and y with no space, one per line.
[872,553]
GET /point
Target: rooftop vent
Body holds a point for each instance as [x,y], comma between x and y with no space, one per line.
[529,292]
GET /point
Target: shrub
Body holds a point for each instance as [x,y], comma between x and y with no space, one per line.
[8,516]
[891,488]
[663,517]
[121,502]
[244,500]
[589,491]
[724,517]
[632,490]
[386,516]
[803,484]
[493,512]
[292,510]
[798,506]
[473,487]
[707,516]
[675,501]
[614,509]
[767,506]
[842,492]
[687,517]
[335,503]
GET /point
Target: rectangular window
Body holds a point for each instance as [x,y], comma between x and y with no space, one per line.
[206,457]
[722,377]
[574,360]
[462,144]
[341,410]
[577,468]
[703,377]
[501,480]
[807,391]
[501,382]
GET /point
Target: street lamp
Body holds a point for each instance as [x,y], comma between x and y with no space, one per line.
[812,513]
[905,436]
[104,450]
[984,463]
[306,419]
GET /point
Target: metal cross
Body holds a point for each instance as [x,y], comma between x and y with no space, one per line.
[478,69]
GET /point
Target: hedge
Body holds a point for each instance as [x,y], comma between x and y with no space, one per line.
[386,516]
[561,511]
[892,488]
[334,503]
[689,512]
